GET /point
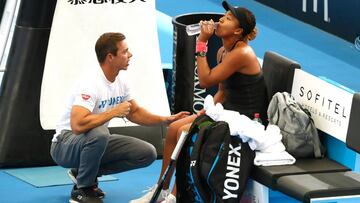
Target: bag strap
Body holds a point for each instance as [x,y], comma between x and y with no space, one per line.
[199,122]
[315,137]
[199,186]
[317,144]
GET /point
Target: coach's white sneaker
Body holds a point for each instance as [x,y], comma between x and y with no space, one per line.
[169,199]
[150,192]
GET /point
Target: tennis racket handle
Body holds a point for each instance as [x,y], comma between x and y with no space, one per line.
[179,145]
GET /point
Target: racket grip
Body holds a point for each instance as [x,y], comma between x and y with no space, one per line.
[179,145]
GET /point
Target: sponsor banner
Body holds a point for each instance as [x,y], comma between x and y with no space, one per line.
[200,93]
[328,104]
[77,24]
[357,43]
[324,14]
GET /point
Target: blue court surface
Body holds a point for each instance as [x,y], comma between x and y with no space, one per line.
[128,186]
[318,52]
[47,176]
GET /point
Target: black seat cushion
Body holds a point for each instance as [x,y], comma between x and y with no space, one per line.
[268,175]
[307,186]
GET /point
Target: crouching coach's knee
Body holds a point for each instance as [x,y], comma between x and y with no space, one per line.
[98,136]
[149,155]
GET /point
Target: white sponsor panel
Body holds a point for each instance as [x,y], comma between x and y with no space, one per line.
[329,105]
[71,52]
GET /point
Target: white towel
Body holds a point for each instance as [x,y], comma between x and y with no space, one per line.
[267,142]
[273,159]
[270,141]
[247,129]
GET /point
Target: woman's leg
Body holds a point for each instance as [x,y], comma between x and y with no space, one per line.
[173,133]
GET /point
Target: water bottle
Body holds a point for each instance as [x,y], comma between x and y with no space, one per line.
[195,29]
[257,118]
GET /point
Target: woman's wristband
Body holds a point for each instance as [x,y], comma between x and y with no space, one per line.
[201,47]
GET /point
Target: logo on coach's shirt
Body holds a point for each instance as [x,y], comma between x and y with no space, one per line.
[111,101]
[85,96]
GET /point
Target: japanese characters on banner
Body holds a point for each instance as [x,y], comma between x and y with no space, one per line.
[76,26]
[328,104]
[76,2]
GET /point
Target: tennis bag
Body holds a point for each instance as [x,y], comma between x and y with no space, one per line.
[300,135]
[212,166]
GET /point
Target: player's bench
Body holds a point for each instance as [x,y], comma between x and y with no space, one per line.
[310,180]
